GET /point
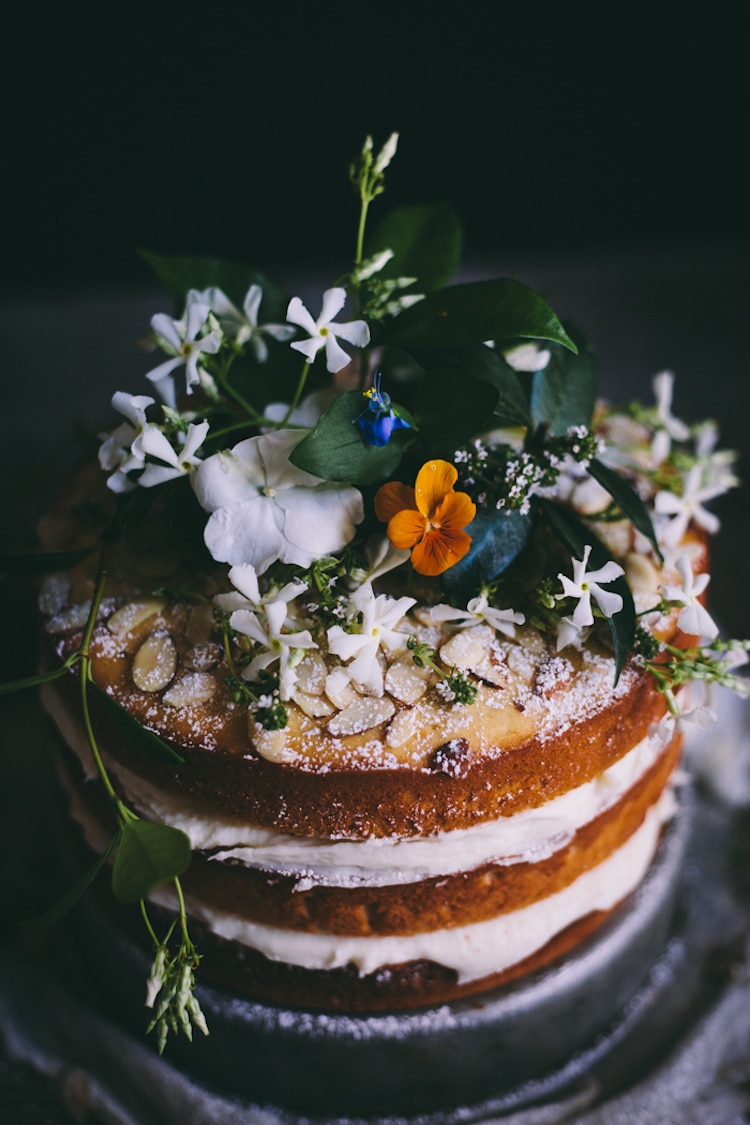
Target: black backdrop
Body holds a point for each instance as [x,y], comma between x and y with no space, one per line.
[227,129]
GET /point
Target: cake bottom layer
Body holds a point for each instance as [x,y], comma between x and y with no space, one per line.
[420,1061]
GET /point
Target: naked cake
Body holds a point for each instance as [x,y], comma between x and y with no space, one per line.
[374,679]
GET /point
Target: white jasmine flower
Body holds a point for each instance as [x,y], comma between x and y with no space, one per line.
[307,414]
[324,331]
[586,584]
[247,593]
[180,337]
[265,628]
[243,327]
[374,265]
[703,715]
[386,154]
[121,450]
[264,508]
[527,357]
[382,557]
[380,615]
[178,462]
[568,633]
[682,510]
[694,618]
[669,427]
[478,611]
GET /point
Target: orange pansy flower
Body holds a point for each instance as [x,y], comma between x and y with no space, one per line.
[428,519]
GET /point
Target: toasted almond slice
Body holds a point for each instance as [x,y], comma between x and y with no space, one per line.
[402,727]
[200,624]
[366,712]
[316,706]
[405,681]
[155,662]
[468,647]
[203,657]
[129,616]
[311,673]
[270,744]
[194,688]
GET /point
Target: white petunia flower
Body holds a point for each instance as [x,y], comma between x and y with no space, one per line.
[586,584]
[680,511]
[243,327]
[180,337]
[178,462]
[380,614]
[121,450]
[324,331]
[694,619]
[478,611]
[264,508]
[266,629]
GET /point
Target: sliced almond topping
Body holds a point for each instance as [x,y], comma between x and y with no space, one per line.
[192,689]
[316,706]
[402,727]
[363,714]
[311,673]
[405,681]
[128,617]
[200,624]
[203,657]
[467,648]
[554,677]
[155,662]
[270,744]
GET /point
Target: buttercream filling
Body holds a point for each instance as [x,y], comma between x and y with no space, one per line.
[526,837]
[474,951]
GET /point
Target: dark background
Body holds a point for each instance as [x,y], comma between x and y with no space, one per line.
[225,129]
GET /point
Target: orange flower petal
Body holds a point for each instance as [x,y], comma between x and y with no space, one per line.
[434,480]
[440,550]
[406,528]
[455,511]
[392,498]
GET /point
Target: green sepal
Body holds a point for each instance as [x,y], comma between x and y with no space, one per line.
[42,562]
[426,244]
[501,310]
[497,539]
[336,449]
[480,362]
[180,273]
[563,394]
[575,537]
[627,500]
[148,854]
[52,916]
[141,737]
[449,409]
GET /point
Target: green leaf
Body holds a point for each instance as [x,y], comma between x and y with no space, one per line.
[149,854]
[564,393]
[480,362]
[68,901]
[180,273]
[336,450]
[449,409]
[426,244]
[627,500]
[140,736]
[41,562]
[575,536]
[497,538]
[502,310]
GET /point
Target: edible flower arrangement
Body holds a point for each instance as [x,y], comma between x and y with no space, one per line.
[418,459]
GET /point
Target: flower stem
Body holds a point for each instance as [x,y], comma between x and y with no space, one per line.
[297,395]
[86,677]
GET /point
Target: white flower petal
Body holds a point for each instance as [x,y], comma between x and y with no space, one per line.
[154,475]
[243,533]
[251,304]
[296,313]
[309,348]
[333,302]
[355,332]
[336,357]
[166,328]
